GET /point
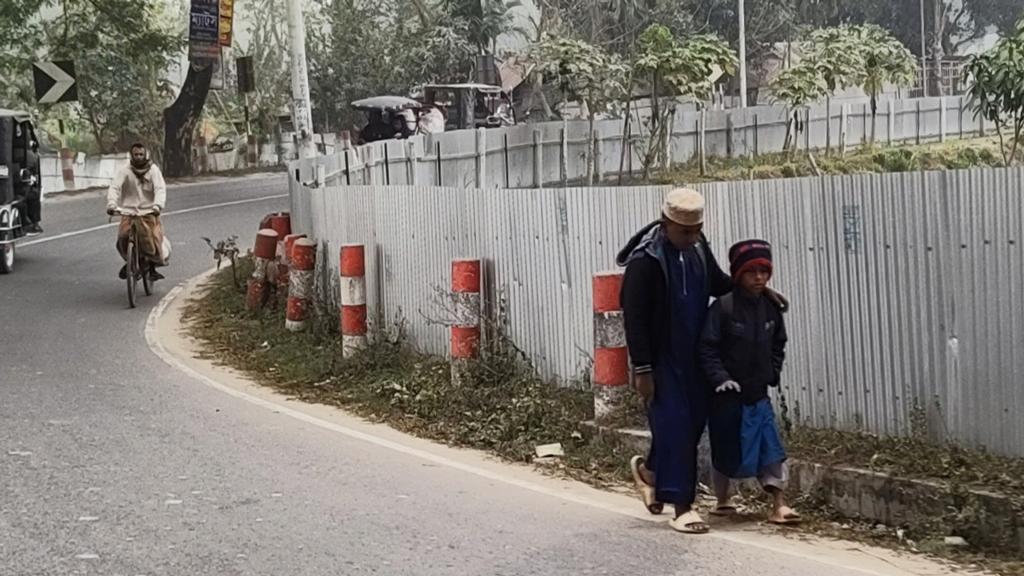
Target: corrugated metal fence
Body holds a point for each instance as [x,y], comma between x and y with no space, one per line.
[908,289]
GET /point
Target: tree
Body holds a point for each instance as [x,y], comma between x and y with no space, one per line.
[996,91]
[372,48]
[585,74]
[796,87]
[19,31]
[886,61]
[677,68]
[122,50]
[486,20]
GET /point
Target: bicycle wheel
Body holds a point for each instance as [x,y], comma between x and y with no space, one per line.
[133,271]
[7,252]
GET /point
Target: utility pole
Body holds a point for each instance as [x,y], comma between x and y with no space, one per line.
[743,54]
[924,55]
[302,116]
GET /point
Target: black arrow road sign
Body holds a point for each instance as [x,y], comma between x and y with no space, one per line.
[55,81]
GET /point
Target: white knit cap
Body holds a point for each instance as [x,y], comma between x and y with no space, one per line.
[684,206]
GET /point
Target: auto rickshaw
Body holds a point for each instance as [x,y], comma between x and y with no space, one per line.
[471,105]
[389,117]
[20,183]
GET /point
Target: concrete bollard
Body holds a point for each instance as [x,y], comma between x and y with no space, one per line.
[353,299]
[285,261]
[202,155]
[252,152]
[67,167]
[300,284]
[263,256]
[465,336]
[611,359]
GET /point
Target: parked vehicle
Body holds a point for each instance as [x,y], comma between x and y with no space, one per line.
[471,105]
[388,117]
[20,183]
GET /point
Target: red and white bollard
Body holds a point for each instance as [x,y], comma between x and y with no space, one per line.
[286,262]
[465,342]
[202,154]
[353,299]
[67,167]
[263,257]
[611,358]
[300,287]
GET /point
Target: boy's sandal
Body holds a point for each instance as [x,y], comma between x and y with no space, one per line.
[725,510]
[647,493]
[785,516]
[690,523]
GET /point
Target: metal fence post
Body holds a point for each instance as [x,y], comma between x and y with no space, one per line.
[481,158]
[942,119]
[538,159]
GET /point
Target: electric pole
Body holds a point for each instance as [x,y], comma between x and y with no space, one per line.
[743,54]
[302,115]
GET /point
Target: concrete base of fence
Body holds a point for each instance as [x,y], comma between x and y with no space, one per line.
[985,519]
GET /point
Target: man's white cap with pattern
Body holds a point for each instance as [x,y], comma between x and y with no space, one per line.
[684,206]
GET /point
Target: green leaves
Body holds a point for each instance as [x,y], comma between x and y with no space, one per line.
[688,65]
[836,58]
[584,72]
[997,88]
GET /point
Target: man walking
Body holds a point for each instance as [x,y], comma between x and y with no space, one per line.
[670,276]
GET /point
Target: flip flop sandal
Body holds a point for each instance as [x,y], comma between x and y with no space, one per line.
[788,517]
[646,490]
[690,523]
[725,510]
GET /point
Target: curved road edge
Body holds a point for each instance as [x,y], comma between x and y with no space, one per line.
[165,337]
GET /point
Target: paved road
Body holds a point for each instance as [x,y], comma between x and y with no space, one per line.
[111,462]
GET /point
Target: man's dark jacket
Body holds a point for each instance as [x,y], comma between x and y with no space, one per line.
[645,298]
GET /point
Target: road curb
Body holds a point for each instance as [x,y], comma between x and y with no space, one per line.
[986,519]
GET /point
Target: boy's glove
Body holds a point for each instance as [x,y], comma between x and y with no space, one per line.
[728,386]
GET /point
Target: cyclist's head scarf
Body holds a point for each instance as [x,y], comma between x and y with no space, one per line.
[140,166]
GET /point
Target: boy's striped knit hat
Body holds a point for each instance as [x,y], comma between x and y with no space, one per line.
[747,254]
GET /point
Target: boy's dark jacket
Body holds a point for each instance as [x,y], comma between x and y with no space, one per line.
[744,340]
[644,294]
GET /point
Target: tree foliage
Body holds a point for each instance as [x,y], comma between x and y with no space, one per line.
[675,68]
[372,47]
[584,73]
[486,20]
[997,89]
[122,51]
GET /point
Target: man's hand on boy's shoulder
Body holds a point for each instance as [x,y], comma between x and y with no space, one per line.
[777,298]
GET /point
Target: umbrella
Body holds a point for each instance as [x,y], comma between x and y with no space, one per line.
[386,103]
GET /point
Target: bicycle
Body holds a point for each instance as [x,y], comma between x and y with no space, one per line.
[135,262]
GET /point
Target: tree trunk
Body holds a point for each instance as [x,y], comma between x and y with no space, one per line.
[939,24]
[874,118]
[180,120]
[591,147]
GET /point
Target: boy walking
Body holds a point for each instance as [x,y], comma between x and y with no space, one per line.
[742,350]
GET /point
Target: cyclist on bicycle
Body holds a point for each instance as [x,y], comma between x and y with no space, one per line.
[138,190]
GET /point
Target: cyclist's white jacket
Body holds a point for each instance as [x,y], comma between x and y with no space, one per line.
[137,195]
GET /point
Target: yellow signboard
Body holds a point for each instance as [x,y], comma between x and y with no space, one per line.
[227,12]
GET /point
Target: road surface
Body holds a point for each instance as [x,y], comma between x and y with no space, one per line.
[114,461]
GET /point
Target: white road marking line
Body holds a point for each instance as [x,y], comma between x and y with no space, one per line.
[158,348]
[74,233]
[88,518]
